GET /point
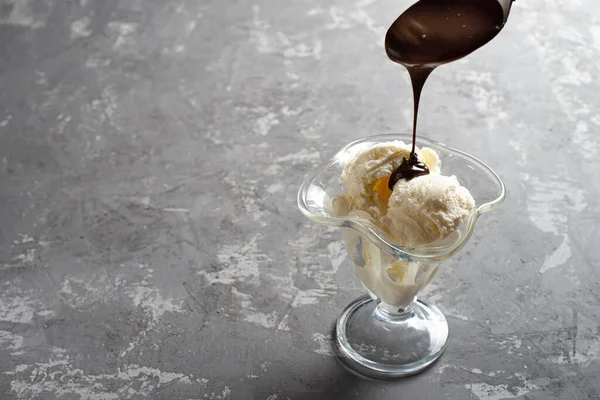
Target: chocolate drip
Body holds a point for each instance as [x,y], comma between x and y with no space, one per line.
[431,33]
[409,169]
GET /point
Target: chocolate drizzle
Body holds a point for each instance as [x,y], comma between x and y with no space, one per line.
[435,32]
[409,169]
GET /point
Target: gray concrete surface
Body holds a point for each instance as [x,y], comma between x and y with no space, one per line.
[150,153]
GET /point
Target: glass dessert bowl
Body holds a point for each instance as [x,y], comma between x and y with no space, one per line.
[389,333]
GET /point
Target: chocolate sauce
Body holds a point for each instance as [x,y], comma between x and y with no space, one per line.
[410,168]
[435,32]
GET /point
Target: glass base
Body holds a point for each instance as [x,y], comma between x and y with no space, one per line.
[377,343]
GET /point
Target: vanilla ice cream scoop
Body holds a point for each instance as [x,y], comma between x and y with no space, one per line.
[427,208]
[380,161]
[365,178]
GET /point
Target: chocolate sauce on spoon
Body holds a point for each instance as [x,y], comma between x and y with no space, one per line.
[435,32]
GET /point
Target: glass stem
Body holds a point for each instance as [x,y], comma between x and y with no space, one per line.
[391,314]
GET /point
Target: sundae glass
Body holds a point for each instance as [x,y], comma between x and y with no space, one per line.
[389,333]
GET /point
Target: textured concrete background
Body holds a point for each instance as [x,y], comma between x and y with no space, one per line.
[150,153]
